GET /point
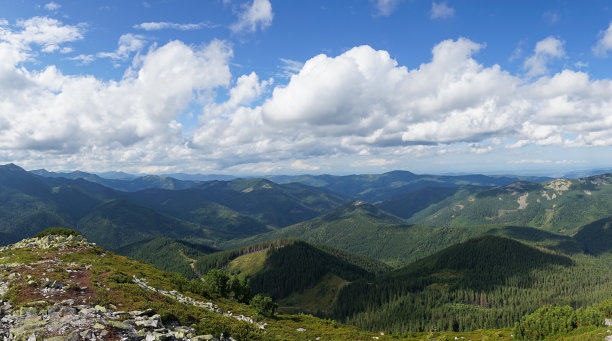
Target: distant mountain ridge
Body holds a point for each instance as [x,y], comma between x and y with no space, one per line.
[205,212]
[379,187]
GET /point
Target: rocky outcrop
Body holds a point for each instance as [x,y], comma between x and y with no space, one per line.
[49,241]
[190,301]
[69,322]
[58,298]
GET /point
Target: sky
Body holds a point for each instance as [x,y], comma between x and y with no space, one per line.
[251,87]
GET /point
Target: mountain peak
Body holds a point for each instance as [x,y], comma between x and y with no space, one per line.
[12,168]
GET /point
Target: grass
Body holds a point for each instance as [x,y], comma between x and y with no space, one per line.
[249,264]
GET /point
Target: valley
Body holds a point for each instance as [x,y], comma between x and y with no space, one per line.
[396,252]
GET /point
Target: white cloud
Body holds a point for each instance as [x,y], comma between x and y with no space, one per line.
[45,32]
[52,6]
[83,59]
[246,89]
[386,7]
[258,14]
[545,51]
[83,117]
[363,103]
[359,103]
[581,65]
[155,26]
[128,43]
[604,44]
[290,67]
[441,11]
[301,165]
[126,46]
[541,161]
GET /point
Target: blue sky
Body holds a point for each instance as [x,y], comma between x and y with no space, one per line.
[269,87]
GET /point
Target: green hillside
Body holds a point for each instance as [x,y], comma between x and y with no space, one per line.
[293,270]
[364,229]
[426,199]
[258,202]
[193,206]
[117,223]
[486,282]
[67,288]
[167,254]
[560,205]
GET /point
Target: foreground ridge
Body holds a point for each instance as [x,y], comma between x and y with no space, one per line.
[64,308]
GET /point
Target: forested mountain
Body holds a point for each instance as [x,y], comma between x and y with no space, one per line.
[467,253]
[168,254]
[427,199]
[262,200]
[380,187]
[486,282]
[561,205]
[302,276]
[113,218]
[364,229]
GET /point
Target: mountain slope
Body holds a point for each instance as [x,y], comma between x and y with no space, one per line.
[364,229]
[117,223]
[294,270]
[167,254]
[63,287]
[264,201]
[561,205]
[486,282]
[407,205]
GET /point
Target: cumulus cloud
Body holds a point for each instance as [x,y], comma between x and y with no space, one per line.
[47,33]
[155,26]
[363,102]
[386,7]
[545,51]
[257,15]
[441,11]
[604,44]
[47,111]
[359,103]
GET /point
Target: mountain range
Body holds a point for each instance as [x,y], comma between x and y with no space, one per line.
[398,251]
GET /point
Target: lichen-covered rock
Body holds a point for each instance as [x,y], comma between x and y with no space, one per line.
[49,241]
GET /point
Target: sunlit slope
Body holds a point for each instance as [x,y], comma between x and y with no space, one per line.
[561,205]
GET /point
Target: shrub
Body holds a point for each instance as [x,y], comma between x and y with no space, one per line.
[552,321]
[263,305]
[59,231]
